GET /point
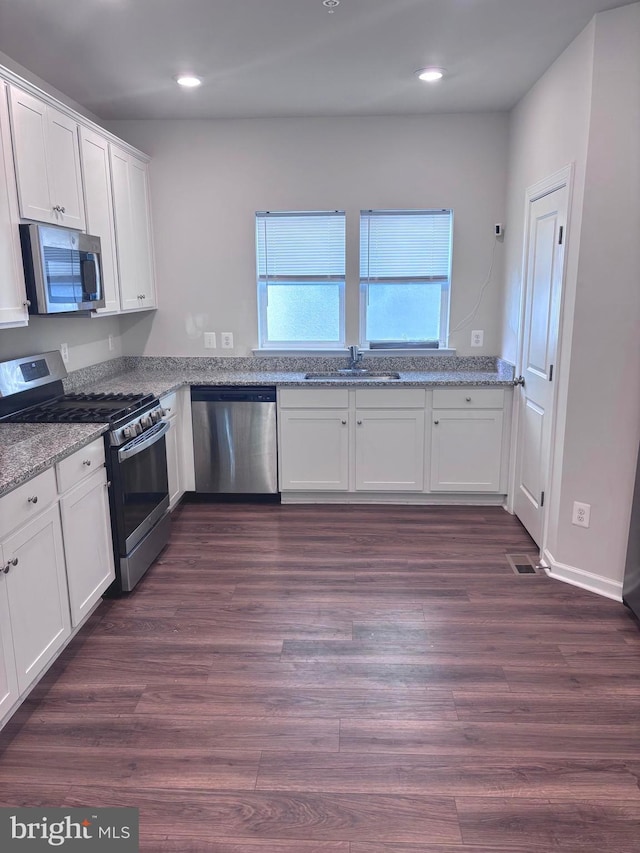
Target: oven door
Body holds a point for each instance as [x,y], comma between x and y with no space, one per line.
[140,488]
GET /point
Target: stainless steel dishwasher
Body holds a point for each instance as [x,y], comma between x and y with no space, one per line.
[234,440]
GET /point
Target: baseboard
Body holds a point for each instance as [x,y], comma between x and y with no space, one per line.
[578,577]
[417,499]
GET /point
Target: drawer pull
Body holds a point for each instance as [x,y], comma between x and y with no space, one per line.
[86,462]
[14,562]
[436,422]
[468,399]
[343,423]
[10,563]
[33,499]
[359,423]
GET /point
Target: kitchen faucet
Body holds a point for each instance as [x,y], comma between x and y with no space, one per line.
[355,357]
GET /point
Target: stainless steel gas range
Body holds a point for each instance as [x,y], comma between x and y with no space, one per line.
[31,391]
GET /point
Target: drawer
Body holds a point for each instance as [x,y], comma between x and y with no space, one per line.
[390,398]
[79,465]
[313,398]
[468,398]
[26,501]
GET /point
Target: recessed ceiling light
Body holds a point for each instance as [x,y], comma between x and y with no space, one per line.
[188,81]
[431,74]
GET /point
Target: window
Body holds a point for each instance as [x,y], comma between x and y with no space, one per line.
[301,279]
[405,268]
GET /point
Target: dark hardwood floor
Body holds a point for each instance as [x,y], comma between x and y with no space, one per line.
[342,679]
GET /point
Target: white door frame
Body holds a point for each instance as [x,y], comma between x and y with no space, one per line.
[562,178]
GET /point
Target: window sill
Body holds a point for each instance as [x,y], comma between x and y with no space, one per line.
[341,353]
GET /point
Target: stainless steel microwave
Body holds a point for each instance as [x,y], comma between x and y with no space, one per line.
[62,268]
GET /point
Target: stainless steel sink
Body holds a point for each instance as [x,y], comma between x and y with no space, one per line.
[354,374]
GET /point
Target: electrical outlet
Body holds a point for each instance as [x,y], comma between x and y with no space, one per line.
[477,338]
[110,343]
[64,352]
[210,340]
[581,514]
[227,340]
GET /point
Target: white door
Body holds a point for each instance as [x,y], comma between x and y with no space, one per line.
[37,591]
[96,171]
[314,450]
[546,239]
[466,450]
[87,543]
[8,677]
[65,181]
[390,450]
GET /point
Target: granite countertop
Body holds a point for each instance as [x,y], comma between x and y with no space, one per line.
[28,449]
[160,382]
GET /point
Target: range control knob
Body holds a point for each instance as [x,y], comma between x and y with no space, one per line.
[155,415]
[129,432]
[146,421]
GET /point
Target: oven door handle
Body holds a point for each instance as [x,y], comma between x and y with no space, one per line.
[142,442]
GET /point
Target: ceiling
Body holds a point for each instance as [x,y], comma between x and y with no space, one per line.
[262,58]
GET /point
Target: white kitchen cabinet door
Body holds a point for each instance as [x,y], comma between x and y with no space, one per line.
[8,678]
[37,592]
[466,450]
[13,299]
[87,542]
[133,231]
[65,175]
[389,452]
[314,450]
[96,171]
[47,161]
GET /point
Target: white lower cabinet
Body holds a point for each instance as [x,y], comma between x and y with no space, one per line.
[173,461]
[8,677]
[56,560]
[87,543]
[467,440]
[372,441]
[314,450]
[466,451]
[389,450]
[37,594]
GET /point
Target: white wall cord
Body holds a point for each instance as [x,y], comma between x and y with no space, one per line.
[468,319]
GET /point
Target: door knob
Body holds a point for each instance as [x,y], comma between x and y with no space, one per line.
[519,380]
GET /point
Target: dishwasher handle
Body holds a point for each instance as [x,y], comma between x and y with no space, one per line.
[248,394]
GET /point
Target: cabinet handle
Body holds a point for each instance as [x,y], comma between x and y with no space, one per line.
[13,562]
[359,423]
[56,207]
[468,399]
[436,422]
[33,499]
[63,210]
[27,303]
[343,423]
[107,484]
[86,462]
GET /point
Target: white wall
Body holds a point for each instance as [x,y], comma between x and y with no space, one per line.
[88,339]
[208,178]
[603,404]
[586,110]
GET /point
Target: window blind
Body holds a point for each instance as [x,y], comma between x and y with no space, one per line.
[305,246]
[405,245]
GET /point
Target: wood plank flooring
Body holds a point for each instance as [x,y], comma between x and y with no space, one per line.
[343,679]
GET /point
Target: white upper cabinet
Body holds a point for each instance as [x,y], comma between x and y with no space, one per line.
[47,161]
[96,173]
[13,300]
[133,230]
